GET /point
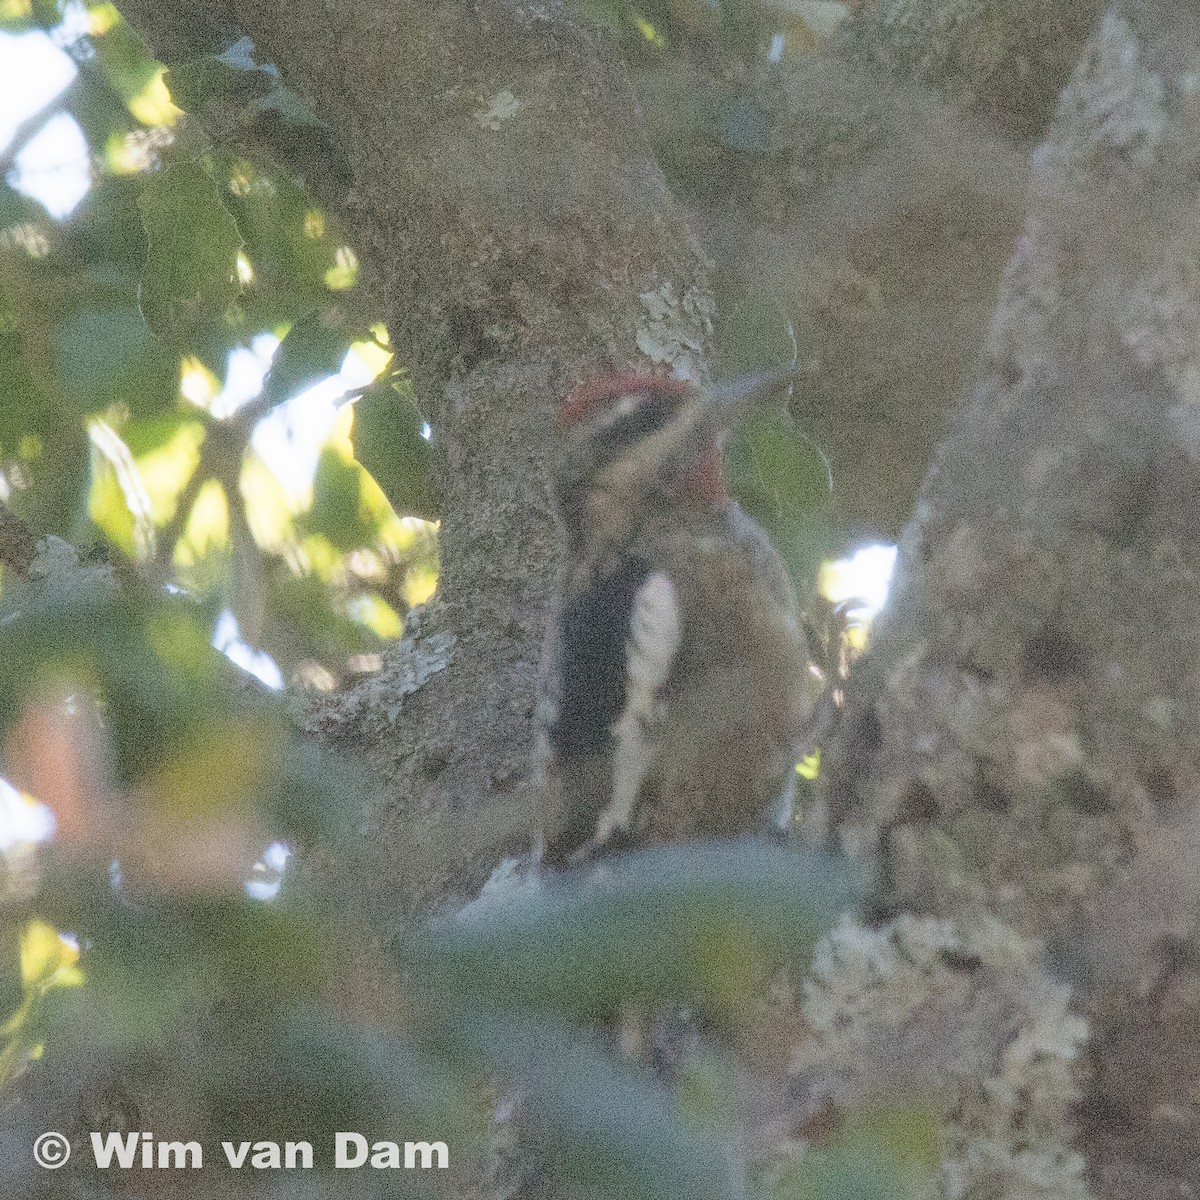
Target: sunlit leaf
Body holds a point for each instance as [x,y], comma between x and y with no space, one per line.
[313,349]
[420,583]
[337,509]
[101,18]
[810,766]
[196,382]
[126,66]
[207,528]
[371,610]
[388,442]
[166,452]
[373,356]
[16,16]
[268,509]
[115,507]
[152,105]
[344,272]
[47,959]
[38,961]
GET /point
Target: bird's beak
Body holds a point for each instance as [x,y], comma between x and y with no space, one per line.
[730,402]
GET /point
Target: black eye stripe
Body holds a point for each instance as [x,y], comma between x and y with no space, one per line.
[652,411]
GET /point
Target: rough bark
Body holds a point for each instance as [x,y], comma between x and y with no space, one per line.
[18,544]
[1021,742]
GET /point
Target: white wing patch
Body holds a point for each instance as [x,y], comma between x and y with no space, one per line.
[649,655]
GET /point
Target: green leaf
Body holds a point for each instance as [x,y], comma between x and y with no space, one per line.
[601,1129]
[153,662]
[313,794]
[317,1074]
[291,108]
[289,240]
[21,412]
[889,1151]
[107,231]
[303,622]
[313,349]
[11,984]
[702,924]
[782,479]
[155,433]
[15,17]
[755,336]
[108,354]
[337,509]
[199,82]
[388,443]
[236,86]
[162,957]
[190,277]
[123,61]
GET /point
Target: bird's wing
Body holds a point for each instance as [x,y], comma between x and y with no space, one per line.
[616,644]
[650,652]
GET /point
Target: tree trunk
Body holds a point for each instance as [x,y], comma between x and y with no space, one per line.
[1022,740]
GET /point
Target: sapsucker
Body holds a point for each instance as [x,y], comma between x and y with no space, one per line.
[675,680]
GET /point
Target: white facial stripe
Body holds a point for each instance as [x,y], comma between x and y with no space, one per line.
[620,410]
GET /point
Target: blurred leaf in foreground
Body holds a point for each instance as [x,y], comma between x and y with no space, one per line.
[600,1128]
[313,349]
[700,924]
[889,1151]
